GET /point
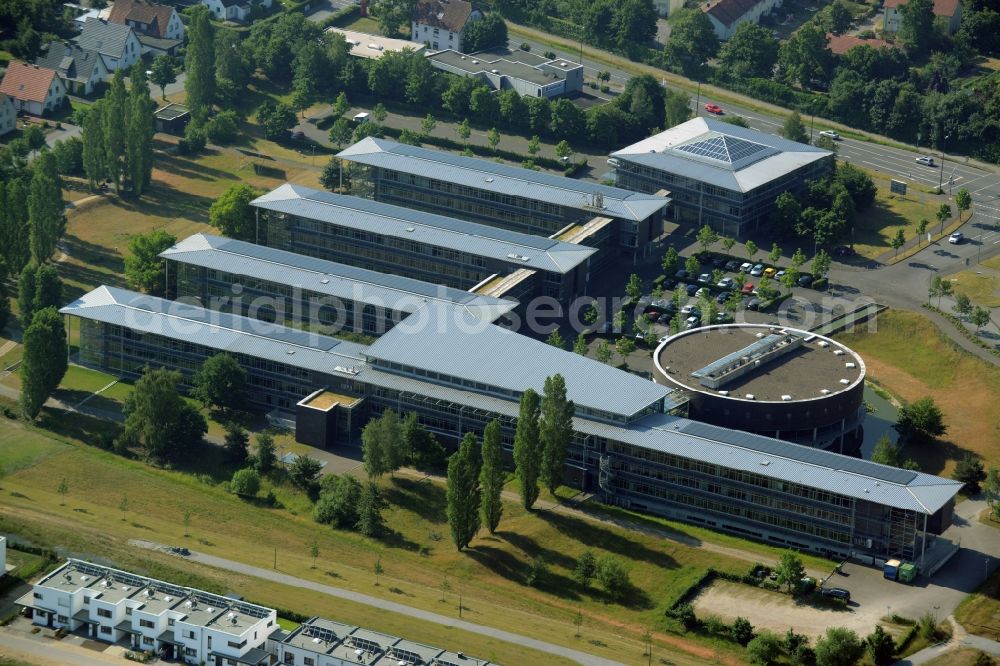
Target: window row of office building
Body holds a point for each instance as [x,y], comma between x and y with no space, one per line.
[192,626]
[632,444]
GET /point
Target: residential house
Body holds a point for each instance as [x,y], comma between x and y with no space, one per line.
[158,27]
[178,623]
[841,44]
[117,43]
[439,23]
[82,70]
[949,11]
[33,89]
[234,10]
[8,121]
[725,15]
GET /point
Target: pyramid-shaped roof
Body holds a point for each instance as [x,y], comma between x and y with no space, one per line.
[731,151]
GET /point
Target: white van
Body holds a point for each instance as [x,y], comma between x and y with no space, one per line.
[361,118]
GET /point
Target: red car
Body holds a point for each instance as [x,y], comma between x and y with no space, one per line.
[714,108]
[747,288]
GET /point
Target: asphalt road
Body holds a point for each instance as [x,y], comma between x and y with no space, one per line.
[983,184]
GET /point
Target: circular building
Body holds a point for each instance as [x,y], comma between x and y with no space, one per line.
[771,380]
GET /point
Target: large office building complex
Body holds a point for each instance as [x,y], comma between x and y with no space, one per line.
[278,286]
[192,626]
[615,220]
[425,246]
[632,442]
[718,174]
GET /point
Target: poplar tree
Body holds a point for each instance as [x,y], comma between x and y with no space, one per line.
[491,476]
[16,230]
[113,118]
[555,430]
[463,493]
[199,63]
[44,362]
[45,208]
[94,150]
[139,136]
[527,456]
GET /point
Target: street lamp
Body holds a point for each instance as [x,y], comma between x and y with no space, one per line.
[941,177]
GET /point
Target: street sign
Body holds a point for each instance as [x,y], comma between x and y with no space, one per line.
[897,186]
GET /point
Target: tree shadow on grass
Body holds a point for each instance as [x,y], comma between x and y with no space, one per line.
[532,549]
[499,561]
[94,403]
[86,429]
[189,168]
[396,539]
[933,456]
[596,536]
[424,498]
[91,253]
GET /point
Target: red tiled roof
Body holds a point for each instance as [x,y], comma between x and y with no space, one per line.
[27,82]
[941,7]
[841,44]
[153,15]
[451,15]
[727,12]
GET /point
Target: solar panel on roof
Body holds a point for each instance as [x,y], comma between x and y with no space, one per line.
[774,447]
[726,149]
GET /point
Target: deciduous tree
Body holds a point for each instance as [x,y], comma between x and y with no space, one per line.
[793,129]
[232,213]
[44,362]
[750,52]
[921,421]
[144,269]
[45,208]
[199,63]
[162,73]
[789,570]
[491,476]
[463,492]
[220,383]
[839,647]
[236,444]
[304,473]
[158,420]
[370,504]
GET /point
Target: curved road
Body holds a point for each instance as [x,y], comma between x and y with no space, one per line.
[285,579]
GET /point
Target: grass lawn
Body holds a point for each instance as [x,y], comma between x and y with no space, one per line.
[360,24]
[979,612]
[910,357]
[981,289]
[958,657]
[875,227]
[417,557]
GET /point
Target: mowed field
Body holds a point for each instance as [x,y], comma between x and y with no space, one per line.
[911,358]
[182,191]
[417,557]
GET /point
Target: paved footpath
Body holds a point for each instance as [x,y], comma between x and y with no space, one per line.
[959,639]
[293,581]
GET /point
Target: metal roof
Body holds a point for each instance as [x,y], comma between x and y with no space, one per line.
[505,179]
[217,330]
[449,341]
[735,449]
[717,153]
[329,278]
[381,218]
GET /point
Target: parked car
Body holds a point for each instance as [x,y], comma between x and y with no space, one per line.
[836,593]
[652,315]
[779,275]
[681,275]
[956,238]
[843,251]
[664,318]
[732,266]
[723,318]
[692,322]
[691,289]
[714,108]
[830,134]
[747,288]
[753,304]
[718,262]
[669,283]
[298,135]
[663,339]
[722,297]
[725,283]
[703,292]
[805,281]
[745,267]
[690,310]
[705,278]
[757,270]
[926,160]
[613,161]
[770,272]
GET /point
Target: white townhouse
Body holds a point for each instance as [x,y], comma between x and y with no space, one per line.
[439,23]
[234,10]
[178,623]
[117,43]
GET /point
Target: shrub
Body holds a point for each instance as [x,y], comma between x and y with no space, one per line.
[223,128]
[742,631]
[525,46]
[245,483]
[538,572]
[684,613]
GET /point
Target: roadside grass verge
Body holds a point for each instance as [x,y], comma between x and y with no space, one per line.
[979,611]
[981,289]
[875,227]
[417,556]
[911,358]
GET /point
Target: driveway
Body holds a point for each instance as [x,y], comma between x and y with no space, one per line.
[17,642]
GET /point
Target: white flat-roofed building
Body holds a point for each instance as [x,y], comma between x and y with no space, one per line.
[372,47]
[175,622]
[526,73]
